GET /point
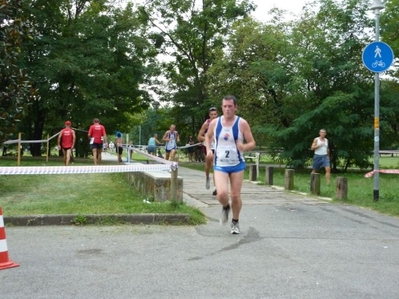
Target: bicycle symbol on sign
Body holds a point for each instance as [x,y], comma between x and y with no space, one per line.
[378,63]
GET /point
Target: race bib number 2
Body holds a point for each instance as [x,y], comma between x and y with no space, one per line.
[229,156]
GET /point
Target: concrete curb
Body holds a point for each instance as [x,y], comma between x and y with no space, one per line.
[78,219]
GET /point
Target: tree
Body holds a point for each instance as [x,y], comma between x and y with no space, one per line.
[190,33]
[334,84]
[252,71]
[300,76]
[88,61]
[16,91]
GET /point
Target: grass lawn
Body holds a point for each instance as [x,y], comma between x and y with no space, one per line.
[105,193]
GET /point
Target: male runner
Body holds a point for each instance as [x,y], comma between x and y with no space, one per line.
[321,156]
[171,137]
[97,136]
[66,141]
[229,132]
[213,113]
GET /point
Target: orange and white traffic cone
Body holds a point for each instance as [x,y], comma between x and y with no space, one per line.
[5,263]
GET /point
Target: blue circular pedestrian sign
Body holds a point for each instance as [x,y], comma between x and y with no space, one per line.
[378,57]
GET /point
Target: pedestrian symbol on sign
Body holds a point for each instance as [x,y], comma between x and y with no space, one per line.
[378,57]
[377,52]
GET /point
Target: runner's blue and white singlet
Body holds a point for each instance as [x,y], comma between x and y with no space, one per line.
[171,144]
[226,151]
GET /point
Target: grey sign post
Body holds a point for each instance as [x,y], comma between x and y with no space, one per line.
[377,57]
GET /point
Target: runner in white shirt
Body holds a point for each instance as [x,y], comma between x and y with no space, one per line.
[229,132]
[171,138]
[321,156]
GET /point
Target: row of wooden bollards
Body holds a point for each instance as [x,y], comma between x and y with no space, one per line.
[341,184]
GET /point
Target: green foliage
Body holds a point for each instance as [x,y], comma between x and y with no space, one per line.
[79,220]
[192,36]
[87,61]
[16,91]
[293,78]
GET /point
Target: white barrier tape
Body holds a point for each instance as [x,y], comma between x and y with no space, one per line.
[163,146]
[55,135]
[3,246]
[189,145]
[157,159]
[24,141]
[83,169]
[1,221]
[389,171]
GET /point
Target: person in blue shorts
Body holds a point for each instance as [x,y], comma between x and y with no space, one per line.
[321,156]
[229,132]
[171,138]
[152,144]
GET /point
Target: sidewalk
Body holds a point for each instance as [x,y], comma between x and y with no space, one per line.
[195,193]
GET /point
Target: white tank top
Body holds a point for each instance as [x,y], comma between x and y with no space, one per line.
[171,144]
[226,151]
[322,150]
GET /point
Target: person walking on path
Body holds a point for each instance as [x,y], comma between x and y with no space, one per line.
[190,149]
[98,137]
[229,132]
[152,144]
[119,146]
[213,113]
[171,137]
[111,147]
[321,156]
[66,141]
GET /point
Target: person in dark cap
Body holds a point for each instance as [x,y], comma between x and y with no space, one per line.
[119,146]
[66,141]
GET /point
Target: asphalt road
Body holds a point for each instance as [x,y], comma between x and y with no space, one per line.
[291,246]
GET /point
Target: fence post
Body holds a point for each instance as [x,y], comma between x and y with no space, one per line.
[342,188]
[19,150]
[253,173]
[269,175]
[315,183]
[289,179]
[48,147]
[173,184]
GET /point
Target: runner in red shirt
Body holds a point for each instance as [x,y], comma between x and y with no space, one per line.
[66,141]
[97,136]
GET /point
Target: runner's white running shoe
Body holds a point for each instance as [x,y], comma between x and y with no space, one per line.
[235,228]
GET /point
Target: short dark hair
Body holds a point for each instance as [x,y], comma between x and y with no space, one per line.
[230,97]
[213,109]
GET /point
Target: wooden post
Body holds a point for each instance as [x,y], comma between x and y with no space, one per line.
[289,179]
[173,184]
[269,175]
[342,188]
[315,183]
[19,150]
[48,147]
[253,174]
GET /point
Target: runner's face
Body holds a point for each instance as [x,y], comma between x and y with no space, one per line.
[213,114]
[172,128]
[228,108]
